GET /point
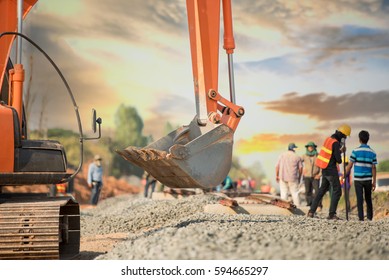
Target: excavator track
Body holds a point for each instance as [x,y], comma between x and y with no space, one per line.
[38,227]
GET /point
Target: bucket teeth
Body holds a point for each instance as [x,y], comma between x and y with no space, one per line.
[145,154]
[157,154]
[134,153]
[149,154]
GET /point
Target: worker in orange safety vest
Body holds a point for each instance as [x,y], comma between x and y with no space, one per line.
[328,159]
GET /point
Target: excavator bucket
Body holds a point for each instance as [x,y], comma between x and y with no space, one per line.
[191,156]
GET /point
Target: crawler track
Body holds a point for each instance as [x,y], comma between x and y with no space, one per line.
[38,227]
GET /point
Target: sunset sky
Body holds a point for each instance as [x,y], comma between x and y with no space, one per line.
[302,68]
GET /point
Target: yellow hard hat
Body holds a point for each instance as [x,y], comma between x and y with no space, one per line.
[345,129]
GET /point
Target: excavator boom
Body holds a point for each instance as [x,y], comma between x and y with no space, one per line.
[199,155]
[8,22]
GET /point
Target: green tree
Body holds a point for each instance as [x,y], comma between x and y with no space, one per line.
[128,132]
[129,126]
[383,166]
[59,132]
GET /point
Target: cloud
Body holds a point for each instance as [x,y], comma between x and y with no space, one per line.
[314,32]
[331,47]
[119,19]
[136,24]
[270,142]
[358,42]
[173,105]
[131,19]
[281,65]
[283,13]
[85,78]
[324,107]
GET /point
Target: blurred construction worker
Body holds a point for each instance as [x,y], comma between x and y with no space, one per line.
[265,189]
[364,159]
[311,173]
[328,159]
[253,184]
[245,184]
[150,181]
[95,179]
[288,173]
[227,184]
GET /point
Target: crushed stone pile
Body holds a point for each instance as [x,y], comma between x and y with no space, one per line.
[179,229]
[133,213]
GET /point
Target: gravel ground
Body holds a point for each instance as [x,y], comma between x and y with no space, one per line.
[179,229]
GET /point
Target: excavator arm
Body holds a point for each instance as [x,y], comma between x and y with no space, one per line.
[204,27]
[11,94]
[8,22]
[199,155]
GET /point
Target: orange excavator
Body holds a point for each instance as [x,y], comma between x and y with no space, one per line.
[199,155]
[32,226]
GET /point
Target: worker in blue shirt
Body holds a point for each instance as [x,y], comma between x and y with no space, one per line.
[95,179]
[364,159]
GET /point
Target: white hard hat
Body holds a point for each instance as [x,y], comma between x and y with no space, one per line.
[98,157]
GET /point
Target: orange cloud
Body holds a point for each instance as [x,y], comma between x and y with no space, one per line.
[270,142]
[325,107]
[259,143]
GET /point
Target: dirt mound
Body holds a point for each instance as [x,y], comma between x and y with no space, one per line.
[111,187]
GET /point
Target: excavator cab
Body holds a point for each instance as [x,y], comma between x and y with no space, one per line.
[24,161]
[199,155]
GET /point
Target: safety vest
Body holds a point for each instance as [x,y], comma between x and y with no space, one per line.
[325,153]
